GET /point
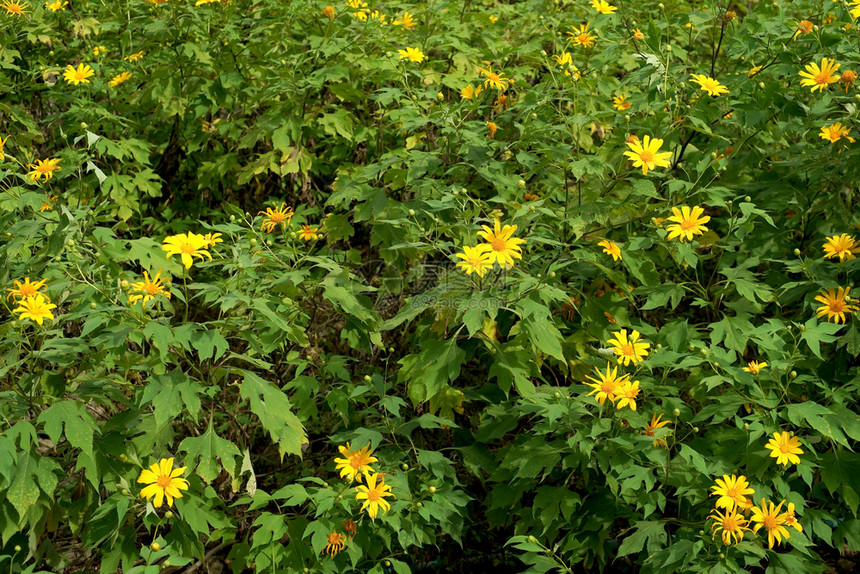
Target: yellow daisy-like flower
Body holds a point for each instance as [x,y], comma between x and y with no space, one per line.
[755,367]
[688,222]
[620,103]
[336,543]
[411,54]
[629,350]
[842,246]
[56,5]
[501,244]
[710,85]
[836,131]
[790,519]
[819,77]
[280,215]
[563,59]
[855,9]
[626,394]
[43,168]
[212,239]
[120,78]
[78,75]
[15,7]
[784,447]
[607,384]
[656,423]
[637,33]
[611,248]
[99,50]
[148,289]
[187,246]
[135,57]
[407,21]
[495,80]
[769,517]
[475,260]
[355,463]
[732,491]
[470,92]
[164,482]
[835,304]
[581,36]
[603,7]
[307,232]
[36,308]
[754,70]
[731,524]
[647,154]
[373,494]
[25,289]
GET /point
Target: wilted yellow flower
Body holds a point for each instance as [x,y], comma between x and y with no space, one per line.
[25,289]
[755,367]
[43,168]
[148,289]
[710,85]
[336,543]
[647,155]
[187,246]
[57,5]
[491,129]
[842,246]
[819,78]
[470,92]
[835,304]
[3,145]
[135,57]
[98,50]
[164,482]
[328,12]
[754,70]
[36,308]
[119,79]
[411,54]
[790,519]
[848,78]
[637,33]
[78,75]
[563,59]
[803,27]
[655,424]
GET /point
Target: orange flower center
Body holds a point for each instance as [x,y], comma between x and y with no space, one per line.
[151,288]
[822,77]
[769,522]
[498,244]
[785,448]
[837,306]
[27,290]
[277,217]
[188,248]
[14,9]
[627,350]
[583,38]
[607,387]
[732,493]
[163,481]
[646,156]
[373,495]
[730,524]
[356,461]
[687,224]
[493,77]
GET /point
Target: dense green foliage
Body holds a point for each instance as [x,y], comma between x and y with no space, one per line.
[276,344]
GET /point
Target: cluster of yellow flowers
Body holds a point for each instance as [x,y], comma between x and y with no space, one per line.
[361,12]
[499,246]
[836,303]
[620,390]
[32,303]
[282,215]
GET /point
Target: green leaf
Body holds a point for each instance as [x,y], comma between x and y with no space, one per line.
[24,492]
[79,424]
[428,371]
[209,447]
[274,410]
[815,333]
[653,531]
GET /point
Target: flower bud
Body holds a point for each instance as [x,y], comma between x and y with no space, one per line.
[411,213]
[404,467]
[155,546]
[390,350]
[532,539]
[676,412]
[695,429]
[123,284]
[660,6]
[534,116]
[543,53]
[521,184]
[793,374]
[253,242]
[367,378]
[93,305]
[797,252]
[123,458]
[552,274]
[761,85]
[746,426]
[556,395]
[432,490]
[748,199]
[232,218]
[269,242]
[17,548]
[84,125]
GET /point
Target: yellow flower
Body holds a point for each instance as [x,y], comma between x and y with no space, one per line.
[15,7]
[855,11]
[790,519]
[603,7]
[772,520]
[619,103]
[43,168]
[328,12]
[98,50]
[754,70]
[280,215]
[834,132]
[373,494]
[710,85]
[841,246]
[307,232]
[803,27]
[495,80]
[688,222]
[57,5]
[581,36]
[37,308]
[3,145]
[626,394]
[835,304]
[732,490]
[135,57]
[637,33]
[163,481]
[25,289]
[469,92]
[336,542]
[48,205]
[493,19]
[148,289]
[501,244]
[212,239]
[491,129]
[607,384]
[355,462]
[475,259]
[187,246]
[755,367]
[819,78]
[379,16]
[119,79]
[563,59]
[611,248]
[656,423]
[407,21]
[647,155]
[78,75]
[411,54]
[784,447]
[629,350]
[732,526]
